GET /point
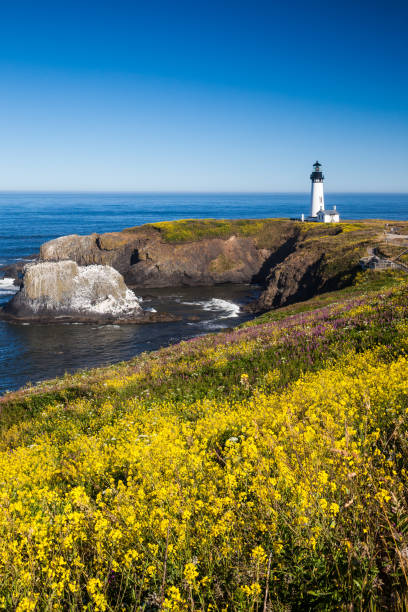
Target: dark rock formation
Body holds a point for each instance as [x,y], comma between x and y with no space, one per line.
[297,278]
[146,261]
[64,291]
[16,270]
[214,261]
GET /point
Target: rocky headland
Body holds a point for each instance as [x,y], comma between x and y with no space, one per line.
[291,261]
[146,260]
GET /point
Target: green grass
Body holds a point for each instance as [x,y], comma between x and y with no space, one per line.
[191,230]
[365,283]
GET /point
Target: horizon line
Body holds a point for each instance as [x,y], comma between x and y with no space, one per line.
[188,192]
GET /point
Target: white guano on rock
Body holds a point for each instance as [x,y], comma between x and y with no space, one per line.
[63,287]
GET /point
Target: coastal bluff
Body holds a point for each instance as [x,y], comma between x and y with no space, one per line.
[146,260]
[290,260]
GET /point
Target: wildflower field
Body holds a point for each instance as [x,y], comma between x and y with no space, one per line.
[262,468]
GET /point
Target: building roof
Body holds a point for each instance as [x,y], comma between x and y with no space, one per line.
[332,212]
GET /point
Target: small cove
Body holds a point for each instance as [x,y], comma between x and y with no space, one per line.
[34,352]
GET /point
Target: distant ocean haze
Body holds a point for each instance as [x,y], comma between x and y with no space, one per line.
[36,352]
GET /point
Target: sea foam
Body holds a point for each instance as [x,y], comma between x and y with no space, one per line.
[7,286]
[225,308]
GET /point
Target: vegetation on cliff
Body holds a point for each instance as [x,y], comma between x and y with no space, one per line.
[264,230]
[260,468]
[191,230]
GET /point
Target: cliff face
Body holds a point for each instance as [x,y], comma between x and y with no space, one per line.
[296,278]
[146,261]
[293,261]
[214,261]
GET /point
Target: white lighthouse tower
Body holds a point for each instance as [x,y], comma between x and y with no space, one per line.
[317,210]
[317,195]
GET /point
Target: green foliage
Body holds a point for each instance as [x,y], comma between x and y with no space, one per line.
[190,230]
[364,283]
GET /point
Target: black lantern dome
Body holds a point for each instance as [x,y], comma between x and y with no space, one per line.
[317,175]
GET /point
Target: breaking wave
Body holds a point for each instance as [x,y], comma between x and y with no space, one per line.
[7,287]
[225,308]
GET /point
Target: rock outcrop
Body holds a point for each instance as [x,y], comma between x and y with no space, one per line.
[64,290]
[146,261]
[297,278]
[114,249]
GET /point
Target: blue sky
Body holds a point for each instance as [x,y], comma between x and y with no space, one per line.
[203,95]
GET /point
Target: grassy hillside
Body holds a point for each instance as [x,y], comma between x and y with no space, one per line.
[190,230]
[263,468]
[263,230]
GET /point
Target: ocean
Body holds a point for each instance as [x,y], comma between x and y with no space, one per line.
[30,353]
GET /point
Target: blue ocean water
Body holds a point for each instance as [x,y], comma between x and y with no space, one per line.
[34,352]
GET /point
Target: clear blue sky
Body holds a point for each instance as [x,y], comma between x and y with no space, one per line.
[203,95]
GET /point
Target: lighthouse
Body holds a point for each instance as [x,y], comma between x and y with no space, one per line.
[317,195]
[317,210]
